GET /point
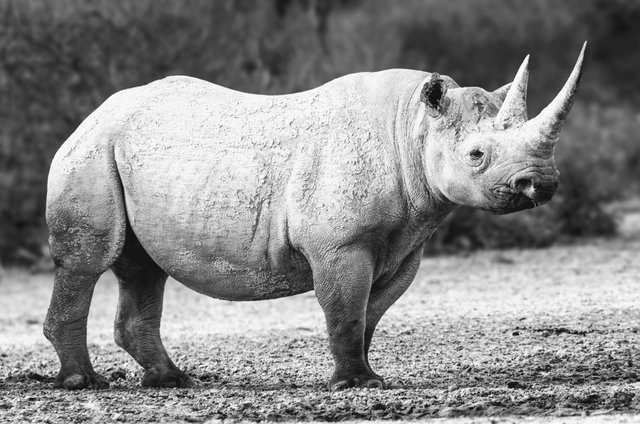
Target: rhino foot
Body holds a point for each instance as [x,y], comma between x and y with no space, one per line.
[79,381]
[171,378]
[360,381]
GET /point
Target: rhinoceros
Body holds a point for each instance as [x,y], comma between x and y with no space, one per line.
[247,197]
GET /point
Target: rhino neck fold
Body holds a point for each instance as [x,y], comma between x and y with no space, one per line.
[425,204]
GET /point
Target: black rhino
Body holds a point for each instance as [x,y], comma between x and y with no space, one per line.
[247,197]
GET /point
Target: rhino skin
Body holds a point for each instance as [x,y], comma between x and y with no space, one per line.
[247,197]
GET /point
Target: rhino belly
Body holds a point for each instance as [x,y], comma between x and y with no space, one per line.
[226,277]
[225,259]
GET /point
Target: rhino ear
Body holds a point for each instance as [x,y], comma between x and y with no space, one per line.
[433,93]
[501,92]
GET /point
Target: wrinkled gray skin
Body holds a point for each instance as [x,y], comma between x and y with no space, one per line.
[248,197]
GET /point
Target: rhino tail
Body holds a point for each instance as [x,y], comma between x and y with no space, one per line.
[85,210]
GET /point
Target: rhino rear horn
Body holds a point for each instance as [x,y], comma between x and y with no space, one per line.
[501,92]
[550,121]
[514,108]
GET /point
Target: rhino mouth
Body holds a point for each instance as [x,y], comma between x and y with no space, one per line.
[507,200]
[522,202]
[516,204]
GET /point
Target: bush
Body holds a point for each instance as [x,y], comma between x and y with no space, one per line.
[59,60]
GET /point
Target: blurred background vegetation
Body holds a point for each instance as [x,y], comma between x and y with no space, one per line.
[60,59]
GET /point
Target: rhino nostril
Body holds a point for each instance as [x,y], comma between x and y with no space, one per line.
[522,184]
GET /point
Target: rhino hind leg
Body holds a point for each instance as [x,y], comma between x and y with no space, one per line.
[66,327]
[137,324]
[86,220]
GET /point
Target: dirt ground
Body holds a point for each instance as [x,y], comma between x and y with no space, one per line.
[494,336]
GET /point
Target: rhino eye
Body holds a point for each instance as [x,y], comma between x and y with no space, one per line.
[476,154]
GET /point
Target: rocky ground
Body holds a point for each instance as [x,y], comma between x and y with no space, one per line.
[494,336]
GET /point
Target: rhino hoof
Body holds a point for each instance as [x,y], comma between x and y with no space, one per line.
[366,382]
[77,381]
[171,378]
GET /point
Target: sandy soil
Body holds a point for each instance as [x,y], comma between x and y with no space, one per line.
[523,336]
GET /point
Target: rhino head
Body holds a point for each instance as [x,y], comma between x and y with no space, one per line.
[481,150]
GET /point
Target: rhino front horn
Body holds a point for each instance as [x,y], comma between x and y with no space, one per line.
[549,122]
[514,108]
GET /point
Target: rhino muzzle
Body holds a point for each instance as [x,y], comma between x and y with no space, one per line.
[525,190]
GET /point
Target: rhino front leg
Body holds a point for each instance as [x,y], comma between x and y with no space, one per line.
[342,281]
[386,293]
[66,328]
[137,324]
